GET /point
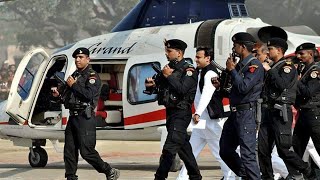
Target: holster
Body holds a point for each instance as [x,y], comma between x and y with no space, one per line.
[258,119]
[283,111]
[88,112]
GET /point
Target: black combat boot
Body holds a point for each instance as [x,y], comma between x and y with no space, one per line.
[294,177]
[75,177]
[113,174]
[157,177]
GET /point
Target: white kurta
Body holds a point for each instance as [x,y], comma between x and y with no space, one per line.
[212,132]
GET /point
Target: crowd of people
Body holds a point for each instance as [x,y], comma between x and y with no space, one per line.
[6,77]
[262,136]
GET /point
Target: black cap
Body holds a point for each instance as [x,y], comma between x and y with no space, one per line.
[243,37]
[278,42]
[81,50]
[176,44]
[306,46]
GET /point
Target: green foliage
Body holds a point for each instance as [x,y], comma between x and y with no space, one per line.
[286,12]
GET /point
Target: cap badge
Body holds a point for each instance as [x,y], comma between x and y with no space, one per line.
[80,52]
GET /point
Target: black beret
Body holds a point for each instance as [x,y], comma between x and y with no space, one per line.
[176,44]
[278,42]
[81,50]
[243,37]
[306,46]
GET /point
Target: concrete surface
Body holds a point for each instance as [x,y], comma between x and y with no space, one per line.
[136,160]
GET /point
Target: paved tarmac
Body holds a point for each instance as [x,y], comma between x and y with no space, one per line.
[137,160]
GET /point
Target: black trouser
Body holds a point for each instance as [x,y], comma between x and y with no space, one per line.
[177,142]
[274,130]
[80,135]
[240,130]
[308,125]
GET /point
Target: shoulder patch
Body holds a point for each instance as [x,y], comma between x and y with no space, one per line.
[287,69]
[92,81]
[252,68]
[314,74]
[189,73]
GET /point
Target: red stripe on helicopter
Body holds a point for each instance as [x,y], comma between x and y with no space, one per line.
[147,117]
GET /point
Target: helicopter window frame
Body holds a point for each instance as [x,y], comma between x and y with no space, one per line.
[140,97]
[28,75]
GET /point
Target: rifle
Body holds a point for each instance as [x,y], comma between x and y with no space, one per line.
[155,77]
[224,77]
[62,86]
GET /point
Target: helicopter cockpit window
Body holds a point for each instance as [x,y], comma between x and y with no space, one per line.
[136,83]
[28,75]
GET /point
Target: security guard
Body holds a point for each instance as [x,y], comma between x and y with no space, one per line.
[308,101]
[279,94]
[178,81]
[80,134]
[240,128]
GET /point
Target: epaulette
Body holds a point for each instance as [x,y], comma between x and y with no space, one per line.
[191,66]
[187,65]
[288,63]
[92,74]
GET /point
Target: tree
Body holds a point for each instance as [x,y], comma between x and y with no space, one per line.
[56,23]
[291,12]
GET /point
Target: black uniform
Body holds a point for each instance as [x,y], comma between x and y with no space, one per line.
[177,96]
[80,133]
[308,103]
[279,93]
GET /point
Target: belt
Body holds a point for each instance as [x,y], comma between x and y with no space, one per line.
[242,107]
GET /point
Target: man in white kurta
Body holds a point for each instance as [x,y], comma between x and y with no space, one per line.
[212,132]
